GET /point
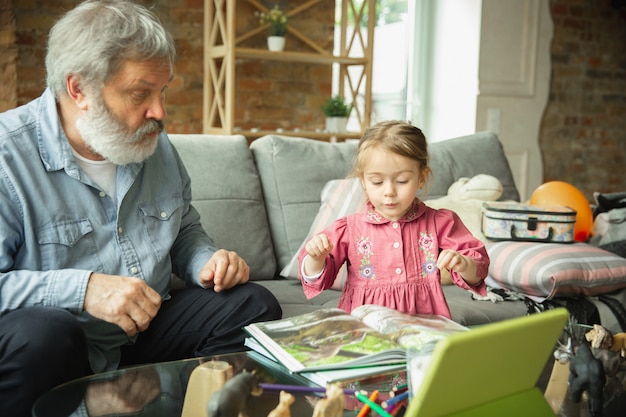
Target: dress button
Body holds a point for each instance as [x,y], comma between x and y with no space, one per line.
[163,214]
[103,194]
[134,270]
[398,271]
[396,245]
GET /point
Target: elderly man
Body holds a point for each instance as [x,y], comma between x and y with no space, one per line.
[96,214]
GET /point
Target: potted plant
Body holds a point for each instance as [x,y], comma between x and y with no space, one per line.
[336,111]
[277,25]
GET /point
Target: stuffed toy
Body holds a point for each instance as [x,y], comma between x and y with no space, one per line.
[465,198]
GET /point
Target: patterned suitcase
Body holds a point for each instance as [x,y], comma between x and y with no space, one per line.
[523,222]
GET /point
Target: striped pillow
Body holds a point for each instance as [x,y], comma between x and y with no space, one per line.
[547,270]
[339,199]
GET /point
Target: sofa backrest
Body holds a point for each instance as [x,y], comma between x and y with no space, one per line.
[293,172]
[260,200]
[226,191]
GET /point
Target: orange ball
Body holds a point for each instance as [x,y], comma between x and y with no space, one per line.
[559,193]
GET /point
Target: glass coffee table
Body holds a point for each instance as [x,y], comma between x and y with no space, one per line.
[164,389]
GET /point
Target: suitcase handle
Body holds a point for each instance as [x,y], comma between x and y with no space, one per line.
[546,239]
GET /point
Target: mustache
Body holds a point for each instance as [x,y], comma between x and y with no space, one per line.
[152,125]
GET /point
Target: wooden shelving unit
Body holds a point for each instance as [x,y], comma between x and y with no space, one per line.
[222,47]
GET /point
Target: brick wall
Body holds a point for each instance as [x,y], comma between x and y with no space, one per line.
[583,134]
[264,89]
[8,57]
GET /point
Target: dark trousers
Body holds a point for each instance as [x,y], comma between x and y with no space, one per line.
[40,347]
[43,347]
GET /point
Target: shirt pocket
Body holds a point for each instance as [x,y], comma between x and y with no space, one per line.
[68,243]
[162,220]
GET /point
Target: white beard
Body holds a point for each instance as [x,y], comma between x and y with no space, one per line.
[110,138]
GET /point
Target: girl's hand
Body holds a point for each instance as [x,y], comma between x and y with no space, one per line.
[452,261]
[318,247]
[465,266]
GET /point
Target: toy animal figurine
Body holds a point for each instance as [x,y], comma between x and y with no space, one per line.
[600,337]
[282,409]
[332,405]
[232,399]
[587,374]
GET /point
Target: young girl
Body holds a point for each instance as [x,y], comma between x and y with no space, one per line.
[395,249]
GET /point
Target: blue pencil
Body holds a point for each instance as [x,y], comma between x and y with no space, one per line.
[393,400]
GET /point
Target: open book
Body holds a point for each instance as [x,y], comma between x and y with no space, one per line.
[333,339]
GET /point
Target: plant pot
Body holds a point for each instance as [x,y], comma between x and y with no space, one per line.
[336,124]
[276,43]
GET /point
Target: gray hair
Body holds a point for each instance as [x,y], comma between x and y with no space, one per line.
[98,36]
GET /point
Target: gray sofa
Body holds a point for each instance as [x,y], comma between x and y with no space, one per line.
[260,200]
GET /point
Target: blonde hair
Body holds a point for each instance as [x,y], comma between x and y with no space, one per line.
[399,137]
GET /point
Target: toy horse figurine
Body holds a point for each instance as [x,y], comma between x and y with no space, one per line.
[282,409]
[332,405]
[232,399]
[587,374]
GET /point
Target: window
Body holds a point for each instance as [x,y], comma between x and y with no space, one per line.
[425,66]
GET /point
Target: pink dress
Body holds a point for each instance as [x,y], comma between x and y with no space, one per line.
[393,263]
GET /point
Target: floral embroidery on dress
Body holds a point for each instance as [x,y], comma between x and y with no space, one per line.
[426,245]
[364,248]
[412,214]
[374,217]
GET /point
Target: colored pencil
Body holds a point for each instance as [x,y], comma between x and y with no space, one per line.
[393,400]
[366,408]
[374,406]
[300,388]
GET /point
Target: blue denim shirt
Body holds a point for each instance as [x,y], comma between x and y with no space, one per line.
[57,226]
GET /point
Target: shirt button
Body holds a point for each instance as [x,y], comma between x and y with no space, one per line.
[120,230]
[163,214]
[396,245]
[134,270]
[394,225]
[398,271]
[103,194]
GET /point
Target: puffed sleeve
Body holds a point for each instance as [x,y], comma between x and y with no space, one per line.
[336,233]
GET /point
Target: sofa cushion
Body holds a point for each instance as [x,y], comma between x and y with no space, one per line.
[293,172]
[339,198]
[227,194]
[547,270]
[292,191]
[468,156]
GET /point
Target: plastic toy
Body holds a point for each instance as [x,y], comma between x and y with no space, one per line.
[332,405]
[559,193]
[232,399]
[282,409]
[587,374]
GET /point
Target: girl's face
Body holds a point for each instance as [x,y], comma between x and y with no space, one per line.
[390,182]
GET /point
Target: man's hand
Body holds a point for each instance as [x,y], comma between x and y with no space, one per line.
[126,301]
[224,270]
